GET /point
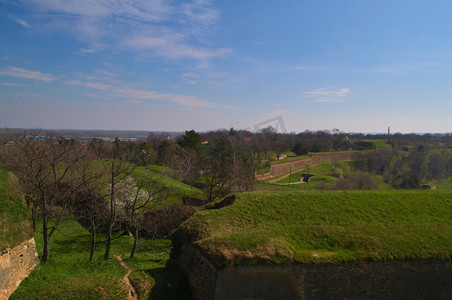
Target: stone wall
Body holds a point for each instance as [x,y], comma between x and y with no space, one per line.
[201,274]
[316,158]
[15,265]
[354,280]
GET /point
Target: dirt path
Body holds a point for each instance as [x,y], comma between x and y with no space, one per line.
[132,293]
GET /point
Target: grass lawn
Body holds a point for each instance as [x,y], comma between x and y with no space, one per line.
[325,227]
[15,224]
[69,274]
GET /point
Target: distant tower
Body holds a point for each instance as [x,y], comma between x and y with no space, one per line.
[389,135]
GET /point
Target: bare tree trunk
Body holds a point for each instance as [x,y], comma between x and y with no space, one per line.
[135,242]
[107,249]
[93,240]
[45,232]
[112,217]
[34,216]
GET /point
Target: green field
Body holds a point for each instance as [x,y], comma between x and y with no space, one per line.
[15,221]
[324,226]
[69,275]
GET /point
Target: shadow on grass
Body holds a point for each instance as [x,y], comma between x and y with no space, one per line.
[170,283]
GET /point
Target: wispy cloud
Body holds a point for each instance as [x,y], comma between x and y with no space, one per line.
[86,51]
[165,42]
[191,78]
[22,22]
[140,25]
[19,21]
[136,96]
[27,74]
[106,73]
[183,100]
[93,85]
[328,94]
[10,84]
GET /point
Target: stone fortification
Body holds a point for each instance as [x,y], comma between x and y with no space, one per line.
[353,280]
[316,158]
[15,265]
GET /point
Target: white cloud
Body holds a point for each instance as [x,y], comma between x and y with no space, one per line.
[23,73]
[327,94]
[135,95]
[138,25]
[143,10]
[183,100]
[22,22]
[201,12]
[10,84]
[165,42]
[106,73]
[86,51]
[93,85]
[19,21]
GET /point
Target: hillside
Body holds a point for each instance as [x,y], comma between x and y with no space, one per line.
[15,224]
[162,176]
[323,226]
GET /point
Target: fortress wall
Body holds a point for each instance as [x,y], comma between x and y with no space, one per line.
[353,280]
[316,158]
[15,265]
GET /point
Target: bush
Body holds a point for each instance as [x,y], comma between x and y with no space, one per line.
[355,182]
[160,223]
[363,146]
[336,172]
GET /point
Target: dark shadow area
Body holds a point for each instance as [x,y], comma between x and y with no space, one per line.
[170,283]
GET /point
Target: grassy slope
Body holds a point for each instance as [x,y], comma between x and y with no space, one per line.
[325,226]
[323,169]
[15,224]
[69,274]
[177,189]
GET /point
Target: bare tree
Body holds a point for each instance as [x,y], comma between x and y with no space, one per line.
[89,206]
[135,198]
[116,168]
[45,168]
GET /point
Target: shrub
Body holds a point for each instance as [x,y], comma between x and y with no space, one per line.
[160,223]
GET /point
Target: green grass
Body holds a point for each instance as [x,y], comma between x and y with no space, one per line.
[168,172]
[69,275]
[319,169]
[15,224]
[324,226]
[177,189]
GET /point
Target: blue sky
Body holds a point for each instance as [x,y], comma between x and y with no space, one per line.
[359,66]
